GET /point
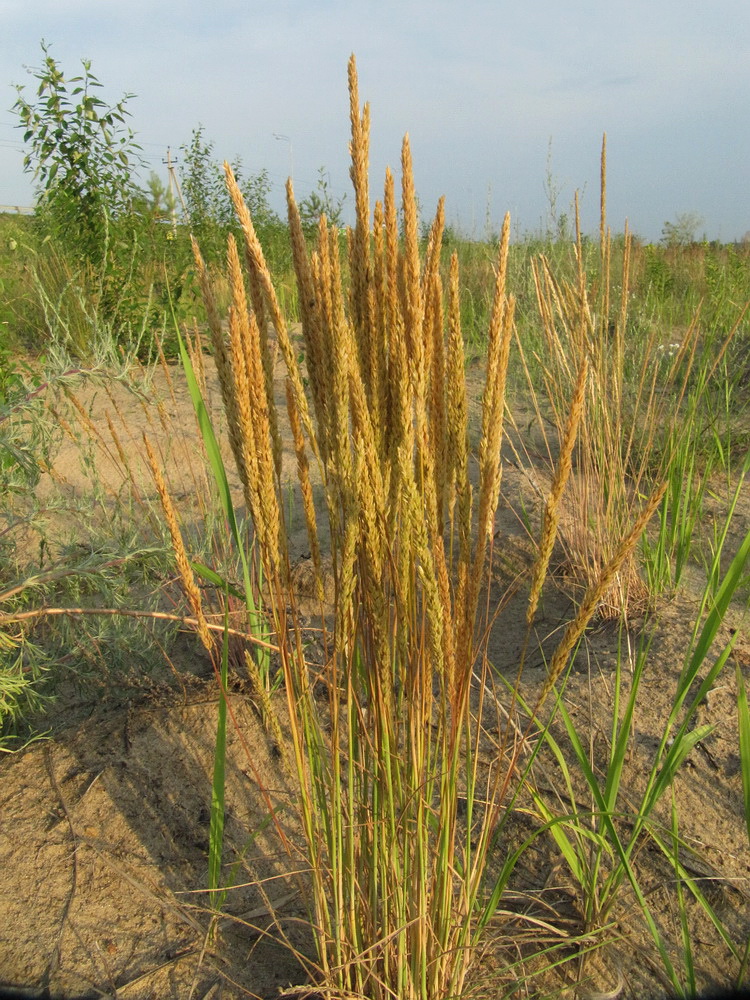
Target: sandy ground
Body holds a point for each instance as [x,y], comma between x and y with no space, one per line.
[104,824]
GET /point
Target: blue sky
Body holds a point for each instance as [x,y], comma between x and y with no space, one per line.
[488,91]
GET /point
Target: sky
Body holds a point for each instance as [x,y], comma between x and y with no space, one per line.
[505,103]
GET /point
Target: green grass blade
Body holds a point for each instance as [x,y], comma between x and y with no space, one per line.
[728,586]
[225,496]
[682,873]
[621,728]
[210,443]
[681,748]
[743,717]
[687,945]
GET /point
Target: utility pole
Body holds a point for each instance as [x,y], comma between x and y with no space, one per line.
[174,188]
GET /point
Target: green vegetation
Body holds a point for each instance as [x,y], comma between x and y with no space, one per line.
[409,761]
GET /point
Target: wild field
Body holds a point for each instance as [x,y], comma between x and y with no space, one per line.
[374,608]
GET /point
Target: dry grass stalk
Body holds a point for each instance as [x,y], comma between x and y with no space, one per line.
[258,266]
[181,558]
[195,350]
[493,421]
[457,445]
[127,471]
[359,148]
[550,518]
[596,593]
[165,368]
[315,318]
[221,360]
[617,441]
[254,426]
[308,504]
[410,286]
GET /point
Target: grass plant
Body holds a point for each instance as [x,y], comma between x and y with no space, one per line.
[398,809]
[648,420]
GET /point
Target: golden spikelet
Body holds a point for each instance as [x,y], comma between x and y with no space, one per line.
[493,413]
[457,438]
[437,400]
[253,416]
[183,563]
[341,361]
[221,359]
[238,356]
[490,468]
[257,263]
[362,425]
[411,284]
[246,459]
[390,217]
[496,342]
[372,536]
[120,450]
[165,368]
[359,148]
[434,246]
[303,474]
[324,283]
[84,417]
[256,297]
[309,287]
[268,361]
[209,301]
[398,426]
[380,327]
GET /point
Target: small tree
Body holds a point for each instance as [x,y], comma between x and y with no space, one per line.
[81,154]
[209,207]
[321,202]
[682,231]
[157,201]
[203,189]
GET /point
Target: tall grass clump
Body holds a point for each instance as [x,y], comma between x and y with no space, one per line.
[399,804]
[650,403]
